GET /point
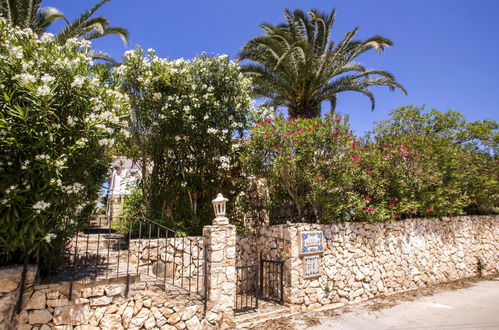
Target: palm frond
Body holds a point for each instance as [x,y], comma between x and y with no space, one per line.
[295,64]
[46,16]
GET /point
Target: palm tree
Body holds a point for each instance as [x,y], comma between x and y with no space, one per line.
[28,14]
[295,65]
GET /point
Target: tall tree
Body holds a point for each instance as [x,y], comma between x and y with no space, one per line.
[29,14]
[295,64]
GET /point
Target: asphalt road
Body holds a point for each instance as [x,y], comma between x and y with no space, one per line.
[475,307]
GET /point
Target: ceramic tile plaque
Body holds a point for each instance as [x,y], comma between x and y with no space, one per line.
[311,242]
[311,266]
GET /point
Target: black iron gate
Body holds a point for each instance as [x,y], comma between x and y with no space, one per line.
[261,281]
[246,288]
[272,280]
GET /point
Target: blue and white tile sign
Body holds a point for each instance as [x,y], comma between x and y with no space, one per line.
[311,266]
[311,242]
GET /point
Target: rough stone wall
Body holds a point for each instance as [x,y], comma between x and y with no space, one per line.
[362,260]
[104,306]
[246,250]
[181,258]
[10,282]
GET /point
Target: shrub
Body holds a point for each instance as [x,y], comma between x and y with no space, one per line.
[132,210]
[57,118]
[437,163]
[304,164]
[186,116]
[415,164]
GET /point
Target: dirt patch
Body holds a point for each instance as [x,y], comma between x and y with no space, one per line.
[336,311]
[277,324]
[310,321]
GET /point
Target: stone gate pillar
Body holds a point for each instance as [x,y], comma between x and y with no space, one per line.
[220,244]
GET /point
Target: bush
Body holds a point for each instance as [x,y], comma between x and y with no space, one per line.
[305,164]
[436,163]
[415,164]
[132,210]
[57,118]
[186,116]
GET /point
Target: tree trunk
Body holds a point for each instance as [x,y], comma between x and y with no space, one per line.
[305,111]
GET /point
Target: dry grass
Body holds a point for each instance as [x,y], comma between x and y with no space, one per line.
[277,324]
[310,321]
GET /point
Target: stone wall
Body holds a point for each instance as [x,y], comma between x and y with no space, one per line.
[363,260]
[10,282]
[246,250]
[101,305]
[181,259]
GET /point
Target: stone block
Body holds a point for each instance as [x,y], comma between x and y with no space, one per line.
[193,323]
[150,323]
[114,290]
[7,302]
[57,302]
[41,316]
[37,301]
[189,312]
[139,319]
[111,322]
[72,315]
[174,318]
[101,301]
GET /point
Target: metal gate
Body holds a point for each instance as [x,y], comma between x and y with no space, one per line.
[246,288]
[261,281]
[272,280]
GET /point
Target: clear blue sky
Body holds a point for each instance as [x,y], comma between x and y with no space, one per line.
[445,53]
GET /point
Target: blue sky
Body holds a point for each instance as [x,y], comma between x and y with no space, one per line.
[445,52]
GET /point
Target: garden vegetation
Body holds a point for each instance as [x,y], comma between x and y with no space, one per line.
[58,117]
[193,128]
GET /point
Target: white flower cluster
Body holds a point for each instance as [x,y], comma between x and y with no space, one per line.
[74,188]
[78,81]
[40,206]
[49,237]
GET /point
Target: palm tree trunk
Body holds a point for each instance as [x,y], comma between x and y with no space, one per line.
[305,111]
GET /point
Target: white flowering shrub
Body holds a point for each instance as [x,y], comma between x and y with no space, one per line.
[58,116]
[188,119]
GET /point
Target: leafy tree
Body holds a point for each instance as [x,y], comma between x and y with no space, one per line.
[456,160]
[28,14]
[186,116]
[58,117]
[295,65]
[416,164]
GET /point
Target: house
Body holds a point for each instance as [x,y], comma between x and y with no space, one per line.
[124,176]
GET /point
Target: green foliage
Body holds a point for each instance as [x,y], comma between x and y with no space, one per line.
[57,119]
[417,164]
[28,14]
[304,162]
[451,164]
[186,115]
[132,210]
[297,66]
